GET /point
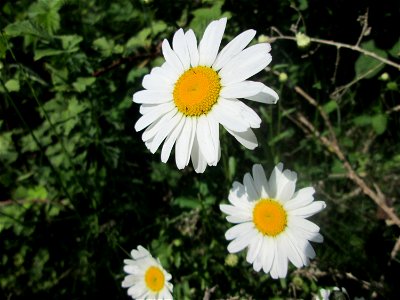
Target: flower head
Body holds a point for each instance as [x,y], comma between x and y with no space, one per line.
[196,89]
[271,220]
[146,278]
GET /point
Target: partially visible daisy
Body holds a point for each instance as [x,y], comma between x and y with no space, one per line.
[146,278]
[196,89]
[271,220]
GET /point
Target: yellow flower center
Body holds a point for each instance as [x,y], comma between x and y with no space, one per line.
[196,91]
[270,217]
[154,279]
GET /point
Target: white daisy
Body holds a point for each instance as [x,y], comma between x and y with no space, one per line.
[146,278]
[196,89]
[271,220]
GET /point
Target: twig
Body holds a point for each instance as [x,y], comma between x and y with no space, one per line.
[365,29]
[340,45]
[395,249]
[208,292]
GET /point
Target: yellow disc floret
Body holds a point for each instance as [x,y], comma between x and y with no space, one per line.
[269,217]
[154,279]
[196,91]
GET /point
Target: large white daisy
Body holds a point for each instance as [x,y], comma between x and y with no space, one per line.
[196,89]
[271,220]
[146,278]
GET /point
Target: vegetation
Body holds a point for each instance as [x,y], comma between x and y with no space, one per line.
[79,190]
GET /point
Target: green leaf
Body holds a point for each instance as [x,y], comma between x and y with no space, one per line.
[330,106]
[12,85]
[104,46]
[395,51]
[379,123]
[187,203]
[23,28]
[45,14]
[82,83]
[70,41]
[366,66]
[362,120]
[39,53]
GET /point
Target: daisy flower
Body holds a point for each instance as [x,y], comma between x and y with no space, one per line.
[271,220]
[196,89]
[146,278]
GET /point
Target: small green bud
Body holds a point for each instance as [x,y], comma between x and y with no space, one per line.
[302,40]
[231,260]
[283,77]
[392,86]
[177,242]
[298,282]
[384,77]
[263,38]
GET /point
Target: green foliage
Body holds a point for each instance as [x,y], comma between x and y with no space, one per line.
[79,189]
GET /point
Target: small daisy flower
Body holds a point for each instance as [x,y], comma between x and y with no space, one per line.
[196,89]
[271,220]
[146,278]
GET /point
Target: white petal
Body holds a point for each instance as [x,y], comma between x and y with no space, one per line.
[163,74]
[286,186]
[156,82]
[153,115]
[249,115]
[250,188]
[227,116]
[214,133]
[300,245]
[301,198]
[260,180]
[209,44]
[254,249]
[292,252]
[170,141]
[248,139]
[171,57]
[238,244]
[238,230]
[233,47]
[242,89]
[198,160]
[239,218]
[172,72]
[180,48]
[183,147]
[244,65]
[282,260]
[191,42]
[164,132]
[268,254]
[238,197]
[154,128]
[305,224]
[309,210]
[266,95]
[207,148]
[273,187]
[152,97]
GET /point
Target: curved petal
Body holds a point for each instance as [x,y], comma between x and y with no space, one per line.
[209,44]
[171,57]
[226,115]
[238,244]
[191,42]
[273,180]
[238,230]
[260,180]
[207,148]
[309,210]
[198,160]
[250,188]
[301,198]
[286,186]
[154,128]
[247,63]
[170,141]
[232,48]
[181,49]
[164,132]
[152,97]
[156,82]
[266,95]
[183,146]
[153,115]
[247,138]
[242,89]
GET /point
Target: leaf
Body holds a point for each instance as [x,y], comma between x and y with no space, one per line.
[187,203]
[395,51]
[23,28]
[104,46]
[70,41]
[330,106]
[39,53]
[366,66]
[45,14]
[82,83]
[362,120]
[379,123]
[12,85]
